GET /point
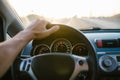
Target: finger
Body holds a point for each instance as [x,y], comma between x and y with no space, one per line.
[53,29]
[49,32]
[43,23]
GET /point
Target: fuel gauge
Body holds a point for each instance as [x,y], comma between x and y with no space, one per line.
[80,49]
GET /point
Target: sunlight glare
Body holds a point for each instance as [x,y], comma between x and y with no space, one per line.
[67,8]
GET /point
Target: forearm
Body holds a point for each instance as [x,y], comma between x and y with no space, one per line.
[10,49]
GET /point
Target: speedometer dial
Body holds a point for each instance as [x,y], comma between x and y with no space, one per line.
[61,45]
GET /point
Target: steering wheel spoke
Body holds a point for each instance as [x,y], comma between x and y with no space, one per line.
[81,64]
[25,66]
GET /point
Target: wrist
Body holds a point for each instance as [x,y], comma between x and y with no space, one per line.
[25,36]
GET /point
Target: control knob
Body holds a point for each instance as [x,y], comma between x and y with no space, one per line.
[107,63]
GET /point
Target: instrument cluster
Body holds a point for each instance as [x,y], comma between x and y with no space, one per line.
[61,45]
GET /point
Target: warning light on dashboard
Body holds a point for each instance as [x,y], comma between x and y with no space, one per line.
[99,43]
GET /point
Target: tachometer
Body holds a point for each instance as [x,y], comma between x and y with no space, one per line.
[40,49]
[61,45]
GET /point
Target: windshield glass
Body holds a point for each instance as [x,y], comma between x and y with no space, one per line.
[80,14]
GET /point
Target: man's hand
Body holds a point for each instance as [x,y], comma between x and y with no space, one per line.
[38,29]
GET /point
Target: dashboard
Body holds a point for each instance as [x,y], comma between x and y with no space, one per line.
[106,45]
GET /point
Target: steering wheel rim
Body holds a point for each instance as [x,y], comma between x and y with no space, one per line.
[91,54]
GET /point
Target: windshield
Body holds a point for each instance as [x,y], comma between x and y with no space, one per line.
[80,14]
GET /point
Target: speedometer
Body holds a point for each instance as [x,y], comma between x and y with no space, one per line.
[61,45]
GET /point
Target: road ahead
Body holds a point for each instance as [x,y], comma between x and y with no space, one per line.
[82,23]
[103,23]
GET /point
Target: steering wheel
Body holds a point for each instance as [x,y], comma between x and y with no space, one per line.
[61,66]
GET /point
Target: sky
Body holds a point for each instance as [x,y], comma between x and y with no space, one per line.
[67,8]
